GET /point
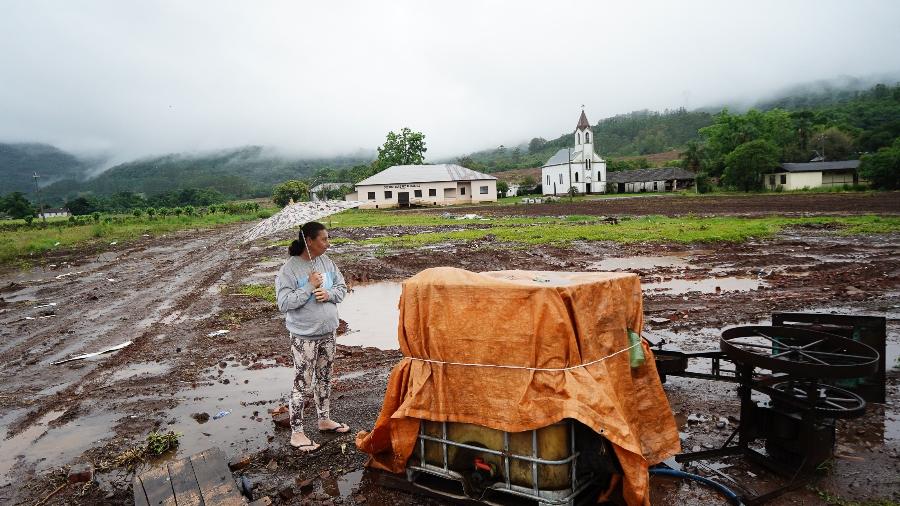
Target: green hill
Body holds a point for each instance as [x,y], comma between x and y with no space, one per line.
[18,162]
[237,173]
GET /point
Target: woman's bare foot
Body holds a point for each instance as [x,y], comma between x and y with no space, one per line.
[301,442]
[330,425]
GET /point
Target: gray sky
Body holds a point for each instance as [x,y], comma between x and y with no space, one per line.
[141,78]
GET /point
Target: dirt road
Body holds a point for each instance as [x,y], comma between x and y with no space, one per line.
[170,296]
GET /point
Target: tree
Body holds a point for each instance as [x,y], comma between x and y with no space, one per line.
[692,156]
[882,168]
[835,144]
[16,205]
[83,205]
[536,144]
[405,148]
[745,165]
[502,187]
[296,190]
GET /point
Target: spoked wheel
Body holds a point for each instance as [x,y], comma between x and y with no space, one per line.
[799,352]
[826,400]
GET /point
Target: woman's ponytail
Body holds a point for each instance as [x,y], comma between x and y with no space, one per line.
[296,248]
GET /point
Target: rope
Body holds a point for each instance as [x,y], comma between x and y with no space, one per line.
[623,350]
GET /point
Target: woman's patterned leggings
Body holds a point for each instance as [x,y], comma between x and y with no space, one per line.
[313,360]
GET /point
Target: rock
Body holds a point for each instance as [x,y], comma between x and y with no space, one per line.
[720,424]
[282,420]
[200,417]
[287,492]
[325,474]
[359,499]
[272,465]
[239,462]
[262,501]
[81,473]
[696,448]
[305,485]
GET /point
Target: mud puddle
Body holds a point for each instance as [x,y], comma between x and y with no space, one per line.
[641,263]
[372,312]
[44,444]
[708,285]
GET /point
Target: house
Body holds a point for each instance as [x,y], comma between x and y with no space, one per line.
[579,167]
[319,191]
[513,189]
[796,176]
[432,185]
[666,179]
[54,212]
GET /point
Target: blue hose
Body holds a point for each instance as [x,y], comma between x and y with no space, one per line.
[727,492]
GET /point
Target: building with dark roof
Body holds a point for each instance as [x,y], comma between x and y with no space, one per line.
[665,179]
[797,176]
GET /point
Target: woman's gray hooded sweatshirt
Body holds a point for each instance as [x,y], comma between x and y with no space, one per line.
[304,315]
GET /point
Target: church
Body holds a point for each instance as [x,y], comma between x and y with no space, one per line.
[579,167]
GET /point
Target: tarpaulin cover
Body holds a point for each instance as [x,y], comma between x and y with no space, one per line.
[528,320]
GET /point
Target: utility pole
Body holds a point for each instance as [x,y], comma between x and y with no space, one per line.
[570,176]
[37,196]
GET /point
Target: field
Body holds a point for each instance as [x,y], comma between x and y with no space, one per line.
[705,263]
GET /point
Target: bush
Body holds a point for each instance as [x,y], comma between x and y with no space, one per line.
[704,185]
[290,190]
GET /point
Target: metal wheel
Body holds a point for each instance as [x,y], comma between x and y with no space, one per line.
[825,400]
[799,352]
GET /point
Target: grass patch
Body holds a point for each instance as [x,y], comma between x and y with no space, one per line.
[645,229]
[36,240]
[263,292]
[836,500]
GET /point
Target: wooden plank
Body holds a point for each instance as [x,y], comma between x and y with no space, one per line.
[184,483]
[158,487]
[217,486]
[140,497]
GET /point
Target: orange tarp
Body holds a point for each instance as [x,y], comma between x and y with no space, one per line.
[549,320]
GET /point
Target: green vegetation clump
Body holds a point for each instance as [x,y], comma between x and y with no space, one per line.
[264,292]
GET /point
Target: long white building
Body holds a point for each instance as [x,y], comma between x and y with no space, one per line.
[579,167]
[432,185]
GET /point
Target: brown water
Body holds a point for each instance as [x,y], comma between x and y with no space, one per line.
[372,312]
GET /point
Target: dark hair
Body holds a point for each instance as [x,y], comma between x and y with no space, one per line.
[311,231]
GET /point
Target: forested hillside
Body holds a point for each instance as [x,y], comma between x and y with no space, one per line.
[18,162]
[245,172]
[636,133]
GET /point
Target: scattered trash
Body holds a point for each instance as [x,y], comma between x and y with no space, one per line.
[114,243]
[469,217]
[343,448]
[45,305]
[89,355]
[112,280]
[56,243]
[659,320]
[221,414]
[217,333]
[73,273]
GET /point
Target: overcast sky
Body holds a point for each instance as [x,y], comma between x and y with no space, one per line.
[150,77]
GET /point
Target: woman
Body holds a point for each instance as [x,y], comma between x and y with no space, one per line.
[308,288]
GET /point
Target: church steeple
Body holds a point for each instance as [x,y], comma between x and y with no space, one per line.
[583,132]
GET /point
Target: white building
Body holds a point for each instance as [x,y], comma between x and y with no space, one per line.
[424,185]
[579,167]
[797,176]
[54,213]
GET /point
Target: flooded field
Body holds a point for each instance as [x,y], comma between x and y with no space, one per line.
[173,296]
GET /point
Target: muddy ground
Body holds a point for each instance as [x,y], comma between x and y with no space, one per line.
[169,294]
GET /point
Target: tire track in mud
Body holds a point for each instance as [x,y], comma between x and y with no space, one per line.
[182,285]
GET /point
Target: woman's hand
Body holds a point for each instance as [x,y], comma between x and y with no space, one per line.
[321,295]
[316,279]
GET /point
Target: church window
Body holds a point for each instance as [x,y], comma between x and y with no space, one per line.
[548,179]
[579,137]
[576,177]
[560,179]
[587,137]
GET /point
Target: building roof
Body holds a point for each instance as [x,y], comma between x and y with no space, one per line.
[401,174]
[561,156]
[644,175]
[818,166]
[583,123]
